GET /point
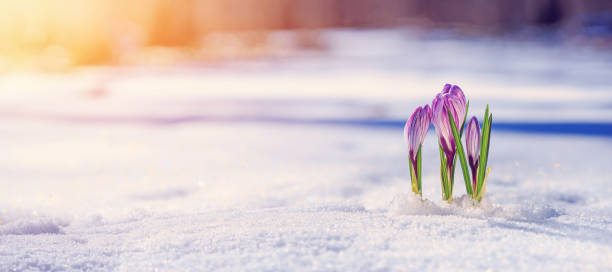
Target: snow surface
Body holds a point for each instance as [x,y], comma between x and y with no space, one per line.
[118,183]
[208,197]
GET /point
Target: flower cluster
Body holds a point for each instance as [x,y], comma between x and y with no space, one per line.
[448,113]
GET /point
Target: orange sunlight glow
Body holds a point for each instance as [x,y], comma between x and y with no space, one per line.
[55,35]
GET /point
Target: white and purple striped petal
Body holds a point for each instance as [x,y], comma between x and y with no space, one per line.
[415,130]
[472,143]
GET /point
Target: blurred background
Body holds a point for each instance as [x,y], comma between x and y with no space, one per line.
[54,35]
[538,60]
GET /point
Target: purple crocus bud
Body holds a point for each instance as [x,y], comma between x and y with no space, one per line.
[472,143]
[452,99]
[415,131]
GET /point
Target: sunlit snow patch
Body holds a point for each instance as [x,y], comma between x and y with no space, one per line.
[19,222]
[411,204]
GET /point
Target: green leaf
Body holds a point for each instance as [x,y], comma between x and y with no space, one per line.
[451,179]
[467,106]
[489,136]
[412,177]
[443,174]
[482,156]
[419,171]
[452,172]
[482,190]
[484,149]
[460,154]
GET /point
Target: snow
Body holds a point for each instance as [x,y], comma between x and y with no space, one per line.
[316,198]
[101,184]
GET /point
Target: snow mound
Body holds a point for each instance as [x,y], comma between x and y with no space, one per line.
[536,212]
[31,226]
[411,204]
[22,223]
[30,221]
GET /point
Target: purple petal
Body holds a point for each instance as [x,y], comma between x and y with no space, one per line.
[425,122]
[458,93]
[472,143]
[410,132]
[446,89]
[440,121]
[437,106]
[416,130]
[457,100]
[472,139]
[450,99]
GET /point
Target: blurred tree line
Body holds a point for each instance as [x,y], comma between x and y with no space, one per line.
[92,31]
[179,23]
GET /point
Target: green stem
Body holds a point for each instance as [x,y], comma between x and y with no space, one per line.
[419,171]
[461,155]
[445,177]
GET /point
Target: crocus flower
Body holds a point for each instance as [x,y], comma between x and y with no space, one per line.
[450,99]
[416,129]
[477,147]
[472,146]
[414,132]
